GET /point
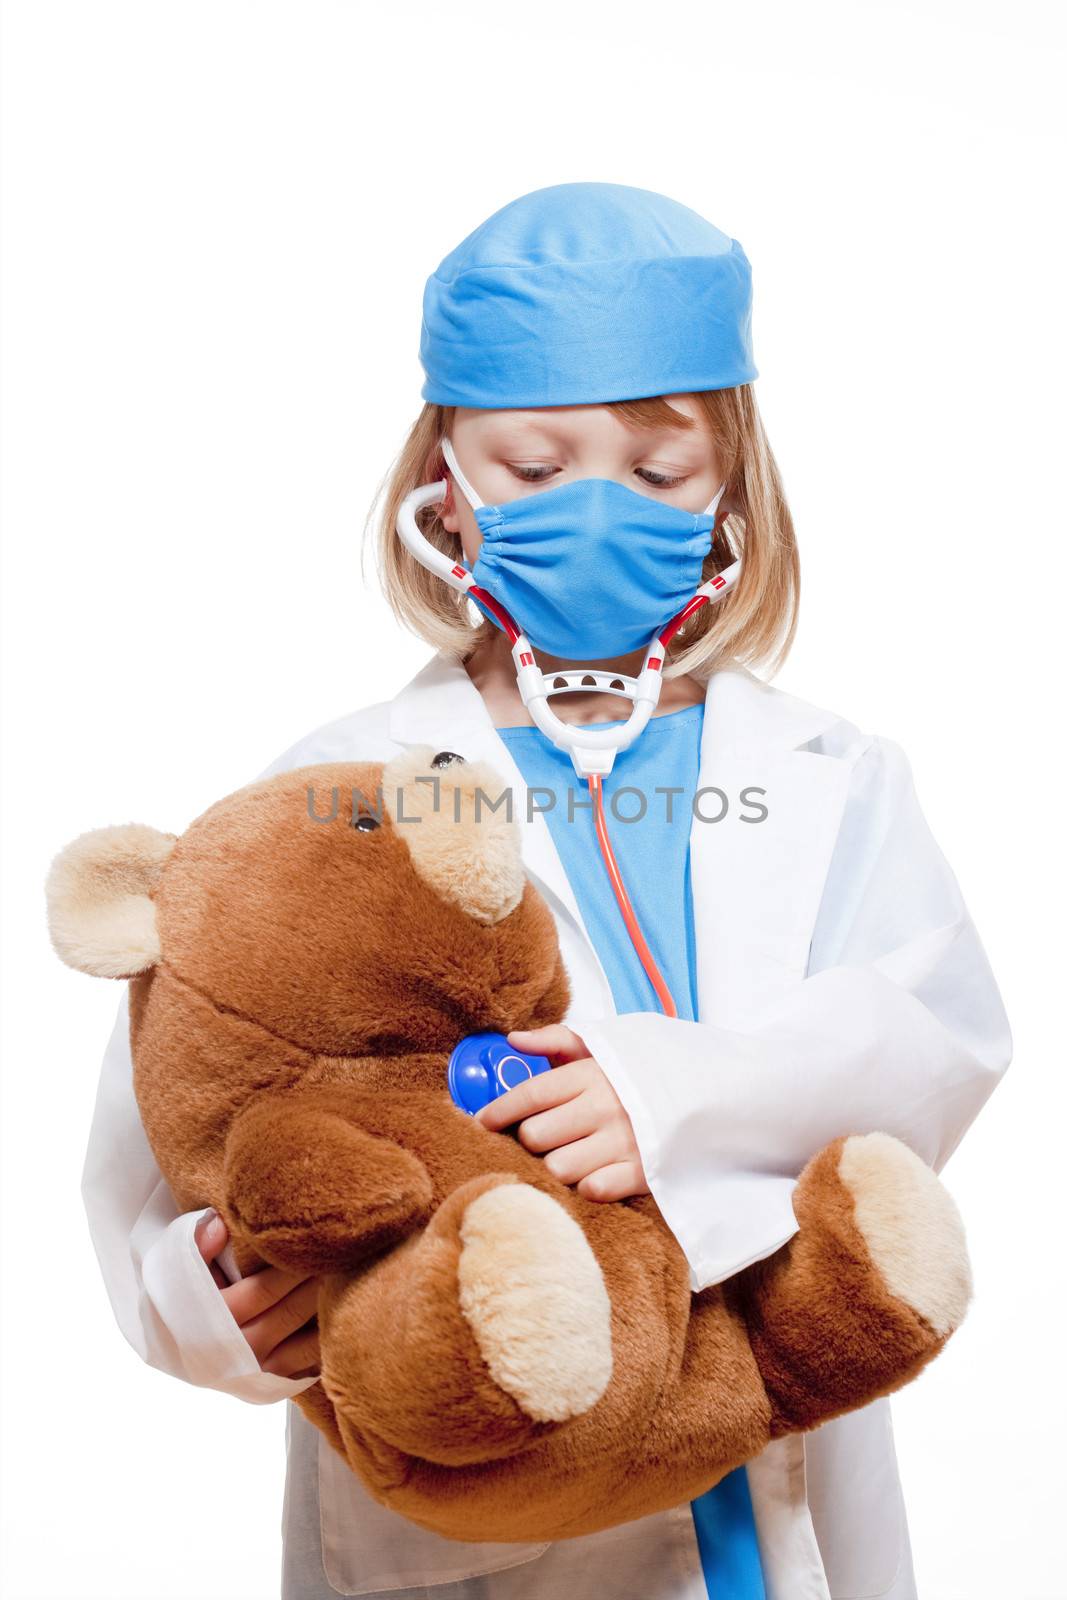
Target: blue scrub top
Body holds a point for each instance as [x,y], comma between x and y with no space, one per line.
[653,783]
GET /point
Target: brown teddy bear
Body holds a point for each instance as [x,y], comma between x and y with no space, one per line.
[500,1359]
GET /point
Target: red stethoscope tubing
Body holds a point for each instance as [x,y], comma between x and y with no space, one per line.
[510,627]
[629,916]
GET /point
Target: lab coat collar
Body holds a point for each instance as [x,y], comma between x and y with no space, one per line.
[763,881]
[745,714]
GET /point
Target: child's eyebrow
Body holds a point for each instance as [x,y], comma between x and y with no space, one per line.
[514,434]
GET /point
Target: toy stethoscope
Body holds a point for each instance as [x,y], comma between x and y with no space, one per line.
[592,751]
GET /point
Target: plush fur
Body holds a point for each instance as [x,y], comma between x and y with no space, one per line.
[99,914]
[534,1295]
[461,844]
[501,1359]
[911,1227]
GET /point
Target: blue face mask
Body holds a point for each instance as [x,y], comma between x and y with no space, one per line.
[590,569]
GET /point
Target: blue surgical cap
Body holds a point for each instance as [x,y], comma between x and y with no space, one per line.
[583,293]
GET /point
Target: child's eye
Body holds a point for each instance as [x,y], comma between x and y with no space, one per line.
[541,474]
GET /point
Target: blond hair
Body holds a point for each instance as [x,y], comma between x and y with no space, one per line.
[754,625]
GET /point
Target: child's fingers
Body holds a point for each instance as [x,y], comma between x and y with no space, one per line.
[211,1234]
[570,1163]
[297,1356]
[556,1042]
[615,1182]
[291,1315]
[560,1125]
[261,1292]
[533,1094]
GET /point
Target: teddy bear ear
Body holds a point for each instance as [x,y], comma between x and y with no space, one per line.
[100,912]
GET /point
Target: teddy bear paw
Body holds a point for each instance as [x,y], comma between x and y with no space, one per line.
[911,1227]
[532,1291]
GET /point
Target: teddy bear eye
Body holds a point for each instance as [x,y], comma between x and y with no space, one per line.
[445,758]
[365,822]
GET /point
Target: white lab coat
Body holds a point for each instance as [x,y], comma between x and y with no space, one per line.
[842,988]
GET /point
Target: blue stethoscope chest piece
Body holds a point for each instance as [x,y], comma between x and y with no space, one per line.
[483,1066]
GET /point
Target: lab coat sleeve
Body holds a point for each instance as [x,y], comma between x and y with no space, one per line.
[897,1026]
[162,1292]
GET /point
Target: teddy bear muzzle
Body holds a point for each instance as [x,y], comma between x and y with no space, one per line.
[456,818]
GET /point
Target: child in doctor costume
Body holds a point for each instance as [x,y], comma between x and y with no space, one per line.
[590,415]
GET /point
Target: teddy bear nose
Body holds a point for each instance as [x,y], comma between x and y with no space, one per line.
[446,758]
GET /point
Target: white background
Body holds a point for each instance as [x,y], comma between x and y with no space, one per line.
[219,218]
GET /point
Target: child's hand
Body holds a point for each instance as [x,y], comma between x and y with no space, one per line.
[573,1117]
[275,1310]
